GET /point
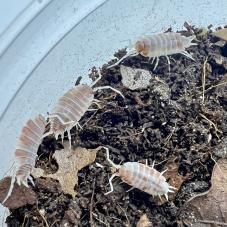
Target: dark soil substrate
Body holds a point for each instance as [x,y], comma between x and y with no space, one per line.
[118,125]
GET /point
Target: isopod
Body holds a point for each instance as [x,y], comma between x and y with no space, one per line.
[26,151]
[140,176]
[158,45]
[71,107]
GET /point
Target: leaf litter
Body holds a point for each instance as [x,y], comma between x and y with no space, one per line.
[20,196]
[158,123]
[69,161]
[210,207]
[221,33]
[144,221]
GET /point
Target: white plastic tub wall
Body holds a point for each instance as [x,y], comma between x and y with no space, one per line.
[67,38]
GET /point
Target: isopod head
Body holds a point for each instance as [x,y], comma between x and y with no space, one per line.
[143,46]
[166,188]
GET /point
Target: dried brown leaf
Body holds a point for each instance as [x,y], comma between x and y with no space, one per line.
[144,222]
[175,179]
[70,162]
[211,207]
[20,196]
[37,172]
[135,78]
[222,34]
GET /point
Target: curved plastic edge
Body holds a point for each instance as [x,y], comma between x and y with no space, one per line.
[20,22]
[28,61]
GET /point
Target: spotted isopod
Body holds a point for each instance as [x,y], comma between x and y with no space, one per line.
[140,176]
[71,107]
[158,45]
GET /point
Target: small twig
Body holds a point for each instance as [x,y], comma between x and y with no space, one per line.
[43,217]
[90,118]
[214,86]
[170,135]
[54,223]
[25,217]
[212,123]
[213,222]
[91,205]
[132,135]
[95,216]
[159,80]
[204,80]
[124,214]
[159,163]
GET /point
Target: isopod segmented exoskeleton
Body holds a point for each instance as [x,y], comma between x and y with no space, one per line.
[158,45]
[26,151]
[140,176]
[71,107]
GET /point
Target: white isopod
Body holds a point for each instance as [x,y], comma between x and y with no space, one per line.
[140,176]
[71,107]
[158,45]
[26,151]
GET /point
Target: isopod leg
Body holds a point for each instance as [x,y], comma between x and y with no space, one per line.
[163,171]
[24,182]
[62,137]
[156,64]
[31,180]
[13,179]
[153,60]
[185,53]
[90,110]
[108,87]
[108,158]
[69,137]
[96,102]
[190,39]
[153,165]
[130,53]
[146,162]
[62,121]
[111,185]
[171,187]
[47,134]
[168,61]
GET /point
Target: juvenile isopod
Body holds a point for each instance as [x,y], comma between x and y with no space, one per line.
[26,151]
[140,176]
[158,45]
[71,107]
